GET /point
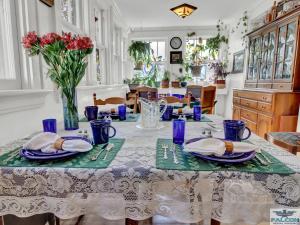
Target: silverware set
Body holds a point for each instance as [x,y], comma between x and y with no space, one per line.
[172,149]
[107,148]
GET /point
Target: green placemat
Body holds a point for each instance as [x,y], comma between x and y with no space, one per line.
[188,162]
[129,118]
[82,160]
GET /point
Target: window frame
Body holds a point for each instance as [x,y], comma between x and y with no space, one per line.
[11,45]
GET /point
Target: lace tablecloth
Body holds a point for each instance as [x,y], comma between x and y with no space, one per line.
[131,187]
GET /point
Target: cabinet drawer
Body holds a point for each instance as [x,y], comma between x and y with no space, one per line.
[249,103]
[264,97]
[236,101]
[252,116]
[235,93]
[260,96]
[252,126]
[264,107]
[264,85]
[286,86]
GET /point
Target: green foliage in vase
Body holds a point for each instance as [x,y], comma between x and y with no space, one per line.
[66,56]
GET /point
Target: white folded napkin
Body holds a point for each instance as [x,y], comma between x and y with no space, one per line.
[109,107]
[213,146]
[44,142]
[185,110]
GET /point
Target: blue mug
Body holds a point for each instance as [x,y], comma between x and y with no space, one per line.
[91,112]
[234,130]
[167,116]
[100,129]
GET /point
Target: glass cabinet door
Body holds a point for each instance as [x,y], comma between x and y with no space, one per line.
[285,52]
[254,59]
[268,53]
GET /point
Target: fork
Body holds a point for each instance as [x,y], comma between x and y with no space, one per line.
[173,150]
[108,148]
[165,148]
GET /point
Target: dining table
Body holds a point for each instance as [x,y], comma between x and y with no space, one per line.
[134,186]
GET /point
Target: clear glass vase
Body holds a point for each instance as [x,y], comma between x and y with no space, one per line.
[70,107]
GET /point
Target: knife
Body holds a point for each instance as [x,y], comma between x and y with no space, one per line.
[95,157]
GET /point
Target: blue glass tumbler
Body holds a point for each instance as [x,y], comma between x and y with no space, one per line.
[178,131]
[167,116]
[197,112]
[122,112]
[49,125]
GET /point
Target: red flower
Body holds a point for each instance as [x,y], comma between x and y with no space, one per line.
[49,39]
[67,38]
[80,43]
[30,39]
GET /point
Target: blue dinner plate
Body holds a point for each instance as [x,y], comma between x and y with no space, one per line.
[228,157]
[245,157]
[39,155]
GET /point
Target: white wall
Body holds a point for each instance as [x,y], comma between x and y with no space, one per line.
[235,45]
[167,33]
[20,124]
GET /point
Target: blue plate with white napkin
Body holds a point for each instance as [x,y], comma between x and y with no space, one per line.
[40,147]
[214,149]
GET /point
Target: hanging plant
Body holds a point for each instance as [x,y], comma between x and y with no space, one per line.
[140,52]
[242,22]
[213,44]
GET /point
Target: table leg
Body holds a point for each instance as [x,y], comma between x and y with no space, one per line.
[215,222]
[131,222]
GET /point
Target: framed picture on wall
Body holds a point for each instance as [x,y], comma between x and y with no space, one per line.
[176,57]
[238,62]
[49,3]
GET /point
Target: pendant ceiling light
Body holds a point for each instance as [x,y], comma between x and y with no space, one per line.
[183,10]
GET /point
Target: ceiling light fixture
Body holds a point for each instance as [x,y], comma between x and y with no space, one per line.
[183,10]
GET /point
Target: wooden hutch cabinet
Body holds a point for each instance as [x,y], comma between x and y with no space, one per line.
[271,98]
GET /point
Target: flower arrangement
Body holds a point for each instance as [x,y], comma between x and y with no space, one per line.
[66,56]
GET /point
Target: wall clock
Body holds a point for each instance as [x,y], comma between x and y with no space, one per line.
[176,42]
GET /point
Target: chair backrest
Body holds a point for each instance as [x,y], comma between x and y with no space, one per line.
[115,100]
[112,100]
[147,92]
[195,90]
[98,101]
[172,99]
[208,96]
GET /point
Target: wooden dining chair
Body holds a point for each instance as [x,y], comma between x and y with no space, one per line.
[208,96]
[115,101]
[147,92]
[172,99]
[195,91]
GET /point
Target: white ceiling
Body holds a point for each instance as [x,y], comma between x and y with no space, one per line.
[156,13]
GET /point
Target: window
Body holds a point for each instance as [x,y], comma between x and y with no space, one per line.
[159,49]
[100,46]
[68,11]
[9,74]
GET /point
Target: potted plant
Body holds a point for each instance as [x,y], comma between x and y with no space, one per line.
[219,73]
[66,57]
[194,59]
[140,52]
[183,80]
[175,84]
[165,82]
[134,82]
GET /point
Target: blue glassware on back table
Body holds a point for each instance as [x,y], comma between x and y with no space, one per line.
[122,112]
